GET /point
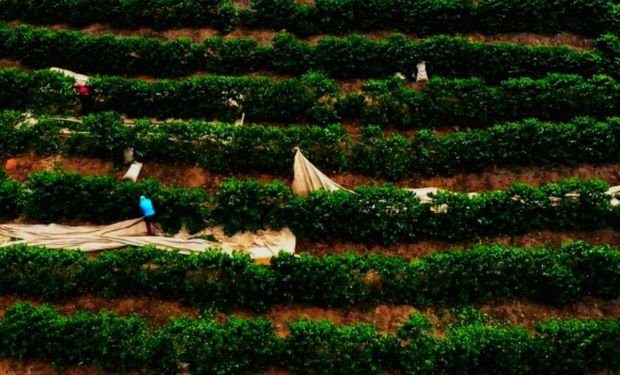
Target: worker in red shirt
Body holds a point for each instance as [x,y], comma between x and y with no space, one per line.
[83,94]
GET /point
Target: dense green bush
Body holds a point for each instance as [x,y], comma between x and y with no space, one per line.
[214,279]
[434,16]
[246,345]
[331,16]
[246,204]
[41,91]
[229,149]
[466,102]
[102,199]
[159,14]
[354,56]
[388,215]
[382,214]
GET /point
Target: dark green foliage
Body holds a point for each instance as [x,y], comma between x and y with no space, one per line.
[159,14]
[382,214]
[102,199]
[242,205]
[244,345]
[228,149]
[214,279]
[350,57]
[466,102]
[331,16]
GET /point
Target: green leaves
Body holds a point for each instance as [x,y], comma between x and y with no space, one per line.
[354,56]
[422,17]
[250,345]
[376,215]
[214,279]
[248,205]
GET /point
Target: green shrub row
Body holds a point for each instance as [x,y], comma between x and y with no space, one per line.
[239,346]
[313,97]
[435,16]
[224,148]
[381,214]
[158,14]
[216,280]
[331,16]
[55,196]
[355,56]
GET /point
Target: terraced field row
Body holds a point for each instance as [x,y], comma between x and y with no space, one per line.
[332,17]
[351,57]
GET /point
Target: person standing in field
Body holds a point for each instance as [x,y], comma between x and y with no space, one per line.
[146,205]
[83,94]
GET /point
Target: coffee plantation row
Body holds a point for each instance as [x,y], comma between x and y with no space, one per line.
[352,57]
[250,345]
[381,214]
[472,276]
[591,17]
[224,148]
[313,97]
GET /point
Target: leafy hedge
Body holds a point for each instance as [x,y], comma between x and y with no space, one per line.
[244,345]
[435,16]
[331,16]
[229,149]
[214,279]
[159,14]
[355,56]
[58,196]
[381,214]
[313,97]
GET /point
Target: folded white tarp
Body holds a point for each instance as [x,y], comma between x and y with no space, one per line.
[133,172]
[261,245]
[308,178]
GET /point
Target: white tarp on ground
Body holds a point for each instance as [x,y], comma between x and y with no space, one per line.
[308,178]
[79,78]
[261,245]
[133,172]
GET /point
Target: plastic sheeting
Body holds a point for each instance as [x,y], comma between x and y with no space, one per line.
[79,78]
[132,233]
[133,172]
[308,178]
[262,244]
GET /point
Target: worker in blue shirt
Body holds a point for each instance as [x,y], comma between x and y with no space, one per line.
[146,205]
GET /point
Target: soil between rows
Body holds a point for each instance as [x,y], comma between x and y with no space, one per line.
[519,313]
[265,36]
[493,178]
[385,318]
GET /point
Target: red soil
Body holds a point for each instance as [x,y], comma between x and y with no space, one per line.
[495,178]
